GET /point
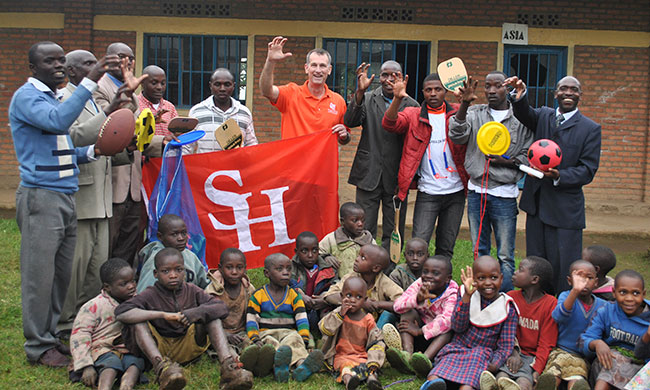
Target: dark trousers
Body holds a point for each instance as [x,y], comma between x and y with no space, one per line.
[560,247]
[369,201]
[126,230]
[447,210]
[48,227]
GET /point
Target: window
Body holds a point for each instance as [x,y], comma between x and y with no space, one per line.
[541,67]
[347,54]
[189,61]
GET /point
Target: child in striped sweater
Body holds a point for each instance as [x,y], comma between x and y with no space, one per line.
[276,321]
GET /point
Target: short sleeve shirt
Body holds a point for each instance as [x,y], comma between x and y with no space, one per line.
[304,114]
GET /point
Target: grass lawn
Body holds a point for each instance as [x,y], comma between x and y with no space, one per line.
[18,374]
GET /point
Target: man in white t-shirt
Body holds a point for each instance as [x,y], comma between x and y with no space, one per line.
[499,190]
[432,159]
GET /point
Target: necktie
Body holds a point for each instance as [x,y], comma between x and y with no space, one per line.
[559,119]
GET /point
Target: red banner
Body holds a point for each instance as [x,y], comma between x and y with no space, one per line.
[259,198]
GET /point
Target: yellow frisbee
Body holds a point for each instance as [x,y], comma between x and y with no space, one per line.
[493,138]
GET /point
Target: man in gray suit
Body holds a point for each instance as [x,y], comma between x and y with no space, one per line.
[375,166]
[94,200]
[126,227]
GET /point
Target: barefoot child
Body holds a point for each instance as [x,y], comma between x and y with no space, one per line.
[536,331]
[276,315]
[230,285]
[615,330]
[426,307]
[172,233]
[175,322]
[484,325]
[95,331]
[604,260]
[341,247]
[573,313]
[353,344]
[311,276]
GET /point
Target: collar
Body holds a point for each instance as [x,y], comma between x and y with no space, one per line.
[109,298]
[209,103]
[341,237]
[567,115]
[148,102]
[438,110]
[38,84]
[218,283]
[307,93]
[116,81]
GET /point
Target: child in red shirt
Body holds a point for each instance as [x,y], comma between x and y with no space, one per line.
[536,331]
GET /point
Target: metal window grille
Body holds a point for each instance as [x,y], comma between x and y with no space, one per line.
[347,54]
[189,61]
[541,67]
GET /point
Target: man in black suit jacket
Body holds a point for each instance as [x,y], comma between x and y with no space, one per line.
[376,163]
[555,205]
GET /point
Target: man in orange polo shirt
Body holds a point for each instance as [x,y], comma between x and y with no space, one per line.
[306,108]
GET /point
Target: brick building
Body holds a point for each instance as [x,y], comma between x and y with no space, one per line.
[605,43]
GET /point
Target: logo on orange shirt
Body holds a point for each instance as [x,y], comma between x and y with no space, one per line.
[332,109]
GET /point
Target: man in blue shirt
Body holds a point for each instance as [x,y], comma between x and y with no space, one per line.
[45,207]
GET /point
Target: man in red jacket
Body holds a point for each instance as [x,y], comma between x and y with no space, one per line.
[437,162]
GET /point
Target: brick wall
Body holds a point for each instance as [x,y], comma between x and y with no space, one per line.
[615,94]
[479,59]
[582,14]
[14,70]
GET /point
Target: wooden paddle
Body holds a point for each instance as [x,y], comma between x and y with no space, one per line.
[395,238]
[228,135]
[452,73]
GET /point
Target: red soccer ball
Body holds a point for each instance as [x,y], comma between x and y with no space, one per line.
[544,154]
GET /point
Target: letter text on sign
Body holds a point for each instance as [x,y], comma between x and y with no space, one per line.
[239,204]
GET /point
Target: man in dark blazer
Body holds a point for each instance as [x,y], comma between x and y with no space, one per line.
[375,166]
[555,205]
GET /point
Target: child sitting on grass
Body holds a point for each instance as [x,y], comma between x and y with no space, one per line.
[426,307]
[615,330]
[172,233]
[382,291]
[536,332]
[276,316]
[95,338]
[484,324]
[416,251]
[573,313]
[311,276]
[175,322]
[604,260]
[352,342]
[341,247]
[641,380]
[230,284]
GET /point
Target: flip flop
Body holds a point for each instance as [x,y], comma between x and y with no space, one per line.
[265,361]
[392,337]
[421,364]
[281,364]
[434,384]
[398,361]
[311,365]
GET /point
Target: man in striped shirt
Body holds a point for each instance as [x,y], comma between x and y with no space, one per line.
[218,108]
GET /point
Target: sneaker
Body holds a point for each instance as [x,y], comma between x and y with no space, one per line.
[169,375]
[353,383]
[488,381]
[399,360]
[281,363]
[421,364]
[434,384]
[249,357]
[392,337]
[546,381]
[507,384]
[265,361]
[581,384]
[311,365]
[53,358]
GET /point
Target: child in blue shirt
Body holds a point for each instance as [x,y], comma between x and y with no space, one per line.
[615,330]
[575,309]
